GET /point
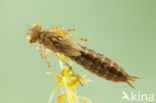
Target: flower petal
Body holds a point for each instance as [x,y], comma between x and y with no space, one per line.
[59,79]
[60,98]
[53,93]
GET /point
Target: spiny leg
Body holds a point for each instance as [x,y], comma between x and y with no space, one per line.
[84,40]
[59,32]
[57,29]
[54,28]
[46,56]
[64,32]
[69,68]
[41,52]
[71,29]
[67,30]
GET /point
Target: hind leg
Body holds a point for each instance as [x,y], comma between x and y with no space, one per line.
[84,40]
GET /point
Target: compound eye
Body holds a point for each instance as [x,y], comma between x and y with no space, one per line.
[36,27]
[29,39]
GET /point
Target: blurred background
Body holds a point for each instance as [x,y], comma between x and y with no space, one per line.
[123,30]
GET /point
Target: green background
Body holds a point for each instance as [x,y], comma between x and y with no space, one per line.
[123,30]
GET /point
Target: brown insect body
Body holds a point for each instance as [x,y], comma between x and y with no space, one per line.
[102,66]
[89,59]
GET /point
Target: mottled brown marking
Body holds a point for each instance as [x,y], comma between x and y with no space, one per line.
[101,66]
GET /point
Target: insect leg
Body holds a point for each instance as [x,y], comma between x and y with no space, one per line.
[84,40]
[56,27]
[69,68]
[41,52]
[67,30]
[71,29]
[46,56]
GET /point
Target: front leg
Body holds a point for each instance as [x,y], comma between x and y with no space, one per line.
[40,49]
[46,56]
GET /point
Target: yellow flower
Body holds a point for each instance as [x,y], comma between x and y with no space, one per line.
[68,81]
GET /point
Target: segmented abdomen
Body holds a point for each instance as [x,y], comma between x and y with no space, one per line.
[102,66]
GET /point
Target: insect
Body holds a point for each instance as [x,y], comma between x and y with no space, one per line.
[55,39]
